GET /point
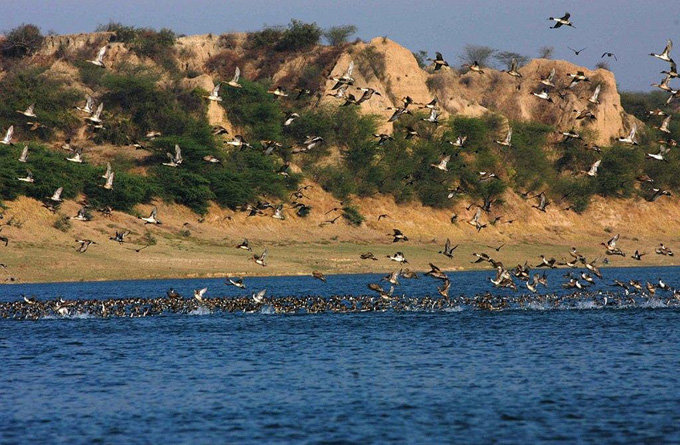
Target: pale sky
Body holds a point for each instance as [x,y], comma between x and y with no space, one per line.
[631,29]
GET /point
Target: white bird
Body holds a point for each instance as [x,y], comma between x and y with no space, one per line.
[666,54]
[77,156]
[548,81]
[27,178]
[593,168]
[459,142]
[278,213]
[664,124]
[215,93]
[513,69]
[89,104]
[238,141]
[56,196]
[507,141]
[198,293]
[108,171]
[261,259]
[99,61]
[24,154]
[596,94]
[259,297]
[81,215]
[28,112]
[290,117]
[109,182]
[234,81]
[175,160]
[7,140]
[543,95]
[433,117]
[630,139]
[152,218]
[559,21]
[441,165]
[398,257]
[96,116]
[660,156]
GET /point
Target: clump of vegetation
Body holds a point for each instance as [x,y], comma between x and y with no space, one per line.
[146,42]
[296,36]
[421,58]
[505,58]
[63,223]
[352,215]
[21,41]
[477,53]
[337,35]
[53,100]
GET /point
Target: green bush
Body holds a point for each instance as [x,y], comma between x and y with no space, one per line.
[352,215]
[298,36]
[21,41]
[577,191]
[53,102]
[337,35]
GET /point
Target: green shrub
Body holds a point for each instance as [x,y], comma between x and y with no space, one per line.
[298,36]
[352,215]
[337,35]
[21,41]
[63,223]
[53,101]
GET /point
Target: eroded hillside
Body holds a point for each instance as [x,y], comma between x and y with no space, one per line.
[277,191]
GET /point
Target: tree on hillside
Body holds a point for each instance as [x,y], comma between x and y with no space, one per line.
[299,35]
[476,53]
[421,58]
[21,41]
[337,35]
[505,58]
[546,52]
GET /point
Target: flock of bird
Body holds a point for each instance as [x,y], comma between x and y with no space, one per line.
[507,278]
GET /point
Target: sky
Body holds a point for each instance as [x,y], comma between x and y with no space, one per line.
[630,29]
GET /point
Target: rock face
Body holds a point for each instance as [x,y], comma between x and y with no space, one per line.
[472,94]
[512,97]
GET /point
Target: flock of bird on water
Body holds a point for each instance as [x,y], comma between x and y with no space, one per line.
[634,292]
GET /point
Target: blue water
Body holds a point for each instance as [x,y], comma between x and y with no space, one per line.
[605,375]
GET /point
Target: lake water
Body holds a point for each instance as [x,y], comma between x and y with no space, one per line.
[469,376]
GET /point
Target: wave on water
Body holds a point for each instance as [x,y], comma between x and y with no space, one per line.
[200,310]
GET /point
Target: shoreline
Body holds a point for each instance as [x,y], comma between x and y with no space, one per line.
[278,273]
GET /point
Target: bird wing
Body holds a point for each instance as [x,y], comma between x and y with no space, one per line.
[57,193]
[178,153]
[154,212]
[596,93]
[109,180]
[24,153]
[669,46]
[350,68]
[237,75]
[10,133]
[202,291]
[102,51]
[216,90]
[566,16]
[508,138]
[632,131]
